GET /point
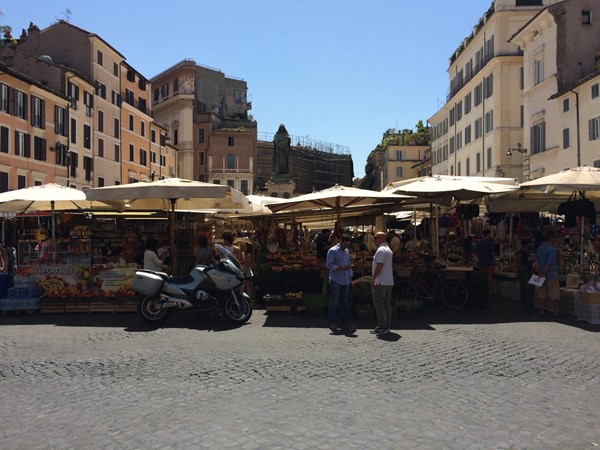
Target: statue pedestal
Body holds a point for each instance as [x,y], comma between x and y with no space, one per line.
[280,186]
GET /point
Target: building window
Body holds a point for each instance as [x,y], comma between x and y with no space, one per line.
[200,135]
[131,122]
[142,104]
[538,138]
[88,166]
[594,128]
[459,141]
[237,96]
[566,105]
[100,181]
[468,135]
[101,121]
[201,158]
[60,121]
[231,161]
[488,86]
[459,111]
[116,98]
[143,157]
[100,90]
[467,103]
[468,166]
[538,71]
[478,128]
[478,96]
[230,141]
[175,137]
[399,172]
[200,84]
[163,161]
[4,98]
[87,136]
[451,116]
[153,136]
[129,97]
[586,17]
[458,171]
[231,183]
[142,128]
[152,157]
[99,57]
[155,96]
[38,116]
[117,153]
[244,187]
[88,101]
[22,145]
[20,105]
[489,121]
[164,90]
[478,162]
[4,140]
[101,148]
[451,145]
[175,85]
[489,158]
[595,91]
[39,148]
[115,69]
[73,131]
[566,138]
[216,87]
[131,153]
[21,181]
[117,128]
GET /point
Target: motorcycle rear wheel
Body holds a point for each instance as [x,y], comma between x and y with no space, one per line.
[150,310]
[235,314]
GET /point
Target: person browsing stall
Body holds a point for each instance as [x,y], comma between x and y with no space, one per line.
[382,282]
[340,275]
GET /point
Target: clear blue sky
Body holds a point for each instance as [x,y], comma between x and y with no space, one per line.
[340,71]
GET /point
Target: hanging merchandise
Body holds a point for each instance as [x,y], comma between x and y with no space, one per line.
[467,212]
[574,207]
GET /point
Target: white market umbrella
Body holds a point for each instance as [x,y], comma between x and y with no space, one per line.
[172,194]
[47,197]
[439,189]
[337,199]
[582,178]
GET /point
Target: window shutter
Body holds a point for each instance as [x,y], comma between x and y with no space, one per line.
[25,106]
[27,146]
[43,114]
[591,129]
[543,137]
[4,139]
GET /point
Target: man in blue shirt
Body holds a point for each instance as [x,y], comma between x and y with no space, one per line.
[340,275]
[486,260]
[547,265]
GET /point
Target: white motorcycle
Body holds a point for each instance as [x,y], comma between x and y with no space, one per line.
[205,289]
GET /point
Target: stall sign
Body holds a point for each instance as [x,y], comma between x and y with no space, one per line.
[113,280]
[58,280]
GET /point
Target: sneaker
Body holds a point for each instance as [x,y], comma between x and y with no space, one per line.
[333,326]
[377,330]
[383,331]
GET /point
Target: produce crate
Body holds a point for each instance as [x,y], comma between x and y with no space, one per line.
[591,298]
[77,306]
[588,312]
[52,305]
[101,305]
[125,305]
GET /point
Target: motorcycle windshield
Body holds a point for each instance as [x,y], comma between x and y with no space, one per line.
[230,257]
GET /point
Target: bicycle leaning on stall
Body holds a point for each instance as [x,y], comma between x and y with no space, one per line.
[452,293]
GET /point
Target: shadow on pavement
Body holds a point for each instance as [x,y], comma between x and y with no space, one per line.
[130,322]
[498,310]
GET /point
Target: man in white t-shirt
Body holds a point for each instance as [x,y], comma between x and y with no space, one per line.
[382,282]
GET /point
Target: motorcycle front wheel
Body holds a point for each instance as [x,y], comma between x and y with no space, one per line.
[151,311]
[237,312]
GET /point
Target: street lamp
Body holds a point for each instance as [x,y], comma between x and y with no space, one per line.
[519,149]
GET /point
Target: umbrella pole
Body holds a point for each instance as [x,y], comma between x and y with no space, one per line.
[52,219]
[173,246]
[581,249]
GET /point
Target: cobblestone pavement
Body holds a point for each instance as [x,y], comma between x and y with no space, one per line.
[454,380]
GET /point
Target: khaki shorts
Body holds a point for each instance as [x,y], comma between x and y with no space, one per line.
[549,290]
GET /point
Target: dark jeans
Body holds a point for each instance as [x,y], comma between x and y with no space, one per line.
[338,297]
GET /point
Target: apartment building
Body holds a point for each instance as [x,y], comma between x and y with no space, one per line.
[206,116]
[484,108]
[561,96]
[33,132]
